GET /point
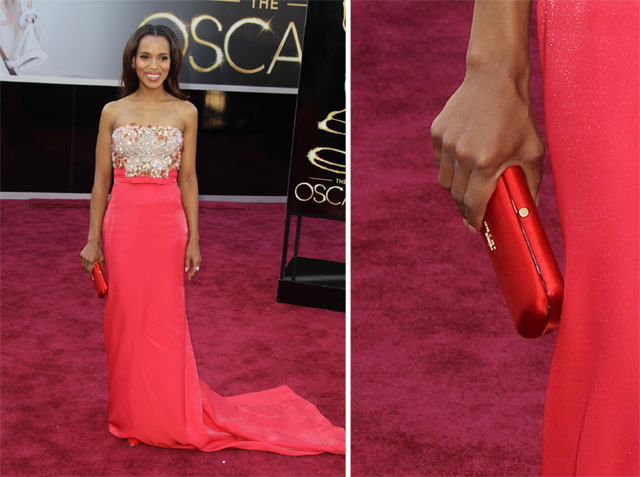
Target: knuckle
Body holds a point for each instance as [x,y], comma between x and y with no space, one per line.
[463,152]
[449,141]
[444,183]
[436,130]
[448,144]
[485,163]
[469,203]
[457,198]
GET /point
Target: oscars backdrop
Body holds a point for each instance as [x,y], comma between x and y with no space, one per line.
[229,45]
[61,62]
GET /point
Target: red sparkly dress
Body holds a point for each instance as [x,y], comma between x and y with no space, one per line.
[590,52]
[155,394]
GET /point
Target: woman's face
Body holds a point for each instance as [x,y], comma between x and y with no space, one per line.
[153,61]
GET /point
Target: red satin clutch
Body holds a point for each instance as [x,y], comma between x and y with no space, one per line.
[99,280]
[522,258]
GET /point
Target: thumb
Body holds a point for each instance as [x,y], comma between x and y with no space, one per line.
[186,263]
[534,178]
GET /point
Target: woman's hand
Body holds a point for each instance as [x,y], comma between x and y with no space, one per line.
[91,254]
[192,255]
[485,127]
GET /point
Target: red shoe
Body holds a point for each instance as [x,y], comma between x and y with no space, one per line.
[133,442]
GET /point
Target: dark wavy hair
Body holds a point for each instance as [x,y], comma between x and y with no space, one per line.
[129,81]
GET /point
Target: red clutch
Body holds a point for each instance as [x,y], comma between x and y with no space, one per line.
[99,280]
[522,258]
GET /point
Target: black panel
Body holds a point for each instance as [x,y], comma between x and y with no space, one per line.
[245,149]
[318,160]
[36,137]
[89,103]
[49,135]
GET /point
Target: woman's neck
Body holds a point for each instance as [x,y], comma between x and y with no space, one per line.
[150,95]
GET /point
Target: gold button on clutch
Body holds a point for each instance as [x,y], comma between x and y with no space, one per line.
[524,212]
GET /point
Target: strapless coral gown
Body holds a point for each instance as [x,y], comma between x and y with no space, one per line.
[155,394]
[590,52]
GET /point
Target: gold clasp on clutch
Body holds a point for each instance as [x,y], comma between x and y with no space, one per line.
[487,236]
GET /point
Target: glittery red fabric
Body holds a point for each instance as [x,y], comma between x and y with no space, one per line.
[589,52]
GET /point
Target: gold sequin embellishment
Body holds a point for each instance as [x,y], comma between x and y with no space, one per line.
[146,151]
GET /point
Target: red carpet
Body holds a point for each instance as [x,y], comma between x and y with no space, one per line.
[54,366]
[441,383]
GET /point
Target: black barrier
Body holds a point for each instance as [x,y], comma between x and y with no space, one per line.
[317,176]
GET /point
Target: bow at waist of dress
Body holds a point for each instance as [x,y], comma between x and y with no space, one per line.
[119,177]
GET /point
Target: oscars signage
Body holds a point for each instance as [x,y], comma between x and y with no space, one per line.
[232,45]
[317,176]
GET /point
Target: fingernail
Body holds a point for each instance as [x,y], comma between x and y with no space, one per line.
[471,228]
[186,268]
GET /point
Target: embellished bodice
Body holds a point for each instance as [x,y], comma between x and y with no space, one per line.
[146,151]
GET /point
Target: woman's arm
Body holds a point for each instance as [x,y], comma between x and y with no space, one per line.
[188,183]
[92,252]
[7,14]
[487,125]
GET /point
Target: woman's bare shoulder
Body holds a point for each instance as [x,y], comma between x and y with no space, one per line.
[109,113]
[111,110]
[188,114]
[188,109]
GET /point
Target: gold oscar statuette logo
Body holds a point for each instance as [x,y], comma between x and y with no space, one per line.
[329,159]
[334,125]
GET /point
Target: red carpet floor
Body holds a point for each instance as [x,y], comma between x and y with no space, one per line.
[441,383]
[54,366]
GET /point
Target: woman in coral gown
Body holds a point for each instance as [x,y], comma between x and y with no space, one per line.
[590,62]
[147,140]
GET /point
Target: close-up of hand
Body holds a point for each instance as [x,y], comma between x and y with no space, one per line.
[91,254]
[485,127]
[192,256]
